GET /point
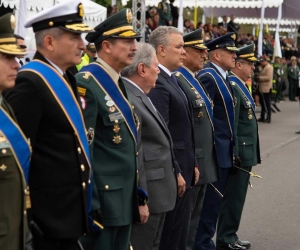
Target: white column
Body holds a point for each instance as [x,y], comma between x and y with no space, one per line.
[260,37]
[180,18]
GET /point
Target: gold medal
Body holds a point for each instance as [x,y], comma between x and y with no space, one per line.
[116,128]
[200,114]
[250,117]
[117,139]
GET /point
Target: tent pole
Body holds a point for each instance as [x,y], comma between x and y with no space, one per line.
[260,37]
[212,15]
[195,13]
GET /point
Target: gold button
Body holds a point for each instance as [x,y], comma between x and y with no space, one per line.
[244,143]
[82,167]
[106,187]
[79,150]
[25,212]
[83,185]
[4,151]
[137,171]
[137,153]
[89,181]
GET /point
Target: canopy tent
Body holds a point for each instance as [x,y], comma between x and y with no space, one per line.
[93,13]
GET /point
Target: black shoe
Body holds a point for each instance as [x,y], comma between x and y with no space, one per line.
[268,120]
[233,246]
[261,120]
[297,132]
[244,243]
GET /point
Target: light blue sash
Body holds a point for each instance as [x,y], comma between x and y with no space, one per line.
[225,93]
[105,82]
[63,94]
[18,142]
[194,82]
[243,88]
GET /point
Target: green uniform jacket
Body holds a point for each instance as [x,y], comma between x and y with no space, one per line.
[164,11]
[13,224]
[203,133]
[113,154]
[246,130]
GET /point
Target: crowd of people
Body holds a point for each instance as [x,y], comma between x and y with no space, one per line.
[121,144]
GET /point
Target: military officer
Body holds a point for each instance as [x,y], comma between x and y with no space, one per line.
[215,80]
[278,78]
[246,147]
[108,112]
[165,15]
[47,109]
[196,53]
[14,147]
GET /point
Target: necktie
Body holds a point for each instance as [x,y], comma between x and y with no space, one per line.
[175,81]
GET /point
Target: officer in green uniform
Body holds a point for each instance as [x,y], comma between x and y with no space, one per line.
[278,78]
[165,15]
[14,148]
[110,119]
[246,148]
[196,53]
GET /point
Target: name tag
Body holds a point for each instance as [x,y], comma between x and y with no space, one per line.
[115,116]
[5,144]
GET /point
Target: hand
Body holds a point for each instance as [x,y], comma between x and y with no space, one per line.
[237,161]
[144,213]
[197,175]
[181,185]
[170,23]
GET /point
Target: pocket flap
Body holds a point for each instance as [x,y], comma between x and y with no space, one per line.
[178,144]
[152,156]
[199,152]
[109,182]
[155,174]
[3,228]
[245,141]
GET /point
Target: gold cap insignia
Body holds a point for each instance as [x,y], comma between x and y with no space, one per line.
[12,22]
[129,16]
[51,23]
[233,36]
[80,10]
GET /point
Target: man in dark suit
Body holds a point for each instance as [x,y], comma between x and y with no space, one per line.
[196,53]
[174,105]
[214,78]
[47,109]
[246,147]
[14,148]
[232,26]
[155,150]
[224,22]
[109,113]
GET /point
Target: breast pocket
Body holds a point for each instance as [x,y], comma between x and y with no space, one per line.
[7,164]
[115,134]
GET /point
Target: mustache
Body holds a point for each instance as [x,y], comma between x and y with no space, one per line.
[131,54]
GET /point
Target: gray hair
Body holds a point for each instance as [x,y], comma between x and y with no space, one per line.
[145,54]
[40,35]
[160,36]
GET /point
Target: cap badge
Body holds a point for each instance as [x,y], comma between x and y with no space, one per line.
[51,23]
[80,10]
[12,22]
[233,36]
[129,16]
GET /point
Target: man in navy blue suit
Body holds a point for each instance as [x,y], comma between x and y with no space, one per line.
[173,104]
[214,78]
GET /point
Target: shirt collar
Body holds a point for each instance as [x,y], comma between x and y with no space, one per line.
[188,70]
[222,71]
[165,69]
[56,67]
[114,74]
[134,84]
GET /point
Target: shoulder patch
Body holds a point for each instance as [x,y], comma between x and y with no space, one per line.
[81,91]
[86,75]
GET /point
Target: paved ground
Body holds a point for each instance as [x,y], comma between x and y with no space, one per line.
[271,218]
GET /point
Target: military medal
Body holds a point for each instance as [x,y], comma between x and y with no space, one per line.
[107,98]
[110,103]
[200,114]
[137,121]
[250,116]
[112,109]
[116,128]
[117,139]
[90,135]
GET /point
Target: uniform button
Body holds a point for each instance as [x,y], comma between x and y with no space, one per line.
[106,187]
[137,171]
[244,143]
[83,185]
[4,151]
[79,150]
[89,181]
[25,212]
[82,167]
[137,153]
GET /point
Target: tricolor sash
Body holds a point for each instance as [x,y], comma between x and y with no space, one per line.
[242,86]
[226,95]
[63,94]
[194,83]
[106,83]
[19,144]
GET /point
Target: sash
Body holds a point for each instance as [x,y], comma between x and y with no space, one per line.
[226,96]
[242,86]
[107,84]
[62,92]
[194,83]
[19,145]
